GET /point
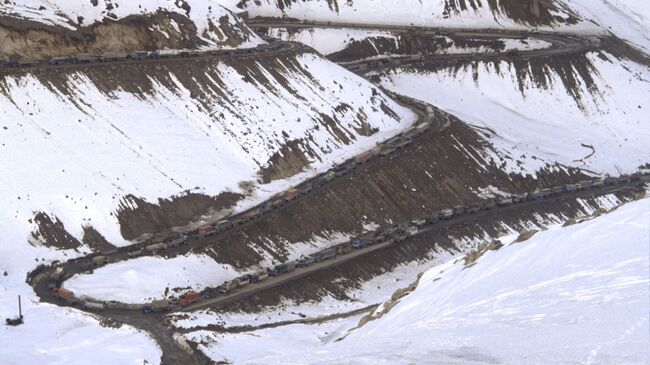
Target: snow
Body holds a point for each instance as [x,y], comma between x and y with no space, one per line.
[145,278]
[93,154]
[53,335]
[544,126]
[627,19]
[381,287]
[75,155]
[576,294]
[428,13]
[331,40]
[209,17]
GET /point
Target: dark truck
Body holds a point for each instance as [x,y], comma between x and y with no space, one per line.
[283,268]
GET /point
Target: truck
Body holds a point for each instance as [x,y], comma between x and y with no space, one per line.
[139,55]
[23,62]
[306,261]
[92,305]
[135,253]
[326,254]
[459,209]
[570,187]
[161,305]
[100,260]
[412,231]
[156,247]
[556,190]
[518,198]
[363,240]
[504,201]
[114,56]
[222,225]
[364,157]
[189,298]
[243,280]
[57,274]
[57,60]
[488,205]
[83,58]
[258,276]
[65,294]
[168,53]
[446,213]
[283,268]
[343,248]
[229,286]
[342,170]
[253,214]
[432,218]
[386,151]
[207,230]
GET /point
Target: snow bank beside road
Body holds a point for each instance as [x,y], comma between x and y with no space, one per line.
[144,279]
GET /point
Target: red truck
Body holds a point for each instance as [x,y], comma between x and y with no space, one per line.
[207,230]
[65,294]
[189,298]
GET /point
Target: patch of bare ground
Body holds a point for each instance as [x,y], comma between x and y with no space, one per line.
[95,240]
[137,216]
[532,12]
[388,305]
[51,232]
[163,29]
[342,280]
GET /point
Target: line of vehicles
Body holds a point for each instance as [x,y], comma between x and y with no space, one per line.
[392,235]
[108,57]
[383,149]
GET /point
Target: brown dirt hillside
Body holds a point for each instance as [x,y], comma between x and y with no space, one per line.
[24,38]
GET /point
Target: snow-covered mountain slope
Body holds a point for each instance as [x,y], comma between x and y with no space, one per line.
[72,14]
[627,19]
[47,28]
[348,44]
[456,13]
[81,148]
[588,112]
[75,150]
[576,294]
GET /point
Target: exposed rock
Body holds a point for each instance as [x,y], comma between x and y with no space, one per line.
[52,233]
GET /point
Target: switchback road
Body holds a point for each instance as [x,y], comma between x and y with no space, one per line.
[173,351]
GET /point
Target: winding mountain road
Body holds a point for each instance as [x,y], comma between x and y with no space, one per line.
[175,352]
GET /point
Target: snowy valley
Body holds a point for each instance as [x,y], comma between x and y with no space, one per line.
[311,182]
